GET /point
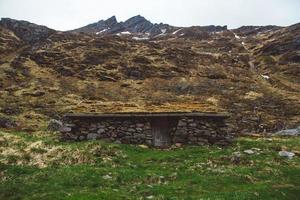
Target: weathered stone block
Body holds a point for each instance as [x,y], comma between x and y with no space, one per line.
[139,125]
[81,138]
[65,129]
[101,131]
[139,129]
[92,136]
[132,130]
[193,124]
[182,123]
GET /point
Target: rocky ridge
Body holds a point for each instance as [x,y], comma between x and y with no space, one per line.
[139,25]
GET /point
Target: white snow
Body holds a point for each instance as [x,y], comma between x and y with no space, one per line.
[163,31]
[265,77]
[140,38]
[236,36]
[218,32]
[104,30]
[175,32]
[124,33]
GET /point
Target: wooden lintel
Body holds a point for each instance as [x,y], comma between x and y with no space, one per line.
[148,114]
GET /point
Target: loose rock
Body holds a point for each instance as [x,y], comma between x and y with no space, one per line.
[54,125]
[287,154]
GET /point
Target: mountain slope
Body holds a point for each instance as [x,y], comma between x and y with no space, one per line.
[28,32]
[185,69]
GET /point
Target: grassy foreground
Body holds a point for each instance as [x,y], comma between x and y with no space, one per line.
[38,166]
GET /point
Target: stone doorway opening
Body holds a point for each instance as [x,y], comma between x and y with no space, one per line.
[161,131]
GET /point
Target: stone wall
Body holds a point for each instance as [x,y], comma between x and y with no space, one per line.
[201,131]
[197,131]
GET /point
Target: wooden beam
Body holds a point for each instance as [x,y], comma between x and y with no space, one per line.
[148,114]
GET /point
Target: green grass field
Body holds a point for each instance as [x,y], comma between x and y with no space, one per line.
[38,166]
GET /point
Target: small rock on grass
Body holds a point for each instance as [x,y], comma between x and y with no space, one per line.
[249,151]
[287,154]
[143,146]
[106,177]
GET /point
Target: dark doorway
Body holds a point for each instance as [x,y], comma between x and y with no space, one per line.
[161,131]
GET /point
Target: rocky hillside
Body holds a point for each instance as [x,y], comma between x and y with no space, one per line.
[251,72]
[27,31]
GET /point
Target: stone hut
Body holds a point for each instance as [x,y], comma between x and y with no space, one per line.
[154,129]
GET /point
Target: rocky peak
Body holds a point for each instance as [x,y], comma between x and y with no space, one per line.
[99,27]
[140,24]
[136,20]
[28,32]
[111,21]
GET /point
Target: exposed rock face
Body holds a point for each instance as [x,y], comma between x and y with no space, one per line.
[253,30]
[27,31]
[138,25]
[102,25]
[283,41]
[140,131]
[9,41]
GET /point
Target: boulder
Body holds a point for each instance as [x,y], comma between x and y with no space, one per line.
[289,132]
[287,154]
[65,129]
[54,125]
[7,123]
[101,130]
[92,136]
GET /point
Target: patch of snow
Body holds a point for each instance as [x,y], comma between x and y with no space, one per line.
[218,32]
[265,77]
[182,34]
[124,33]
[140,38]
[162,34]
[175,32]
[163,30]
[104,30]
[236,36]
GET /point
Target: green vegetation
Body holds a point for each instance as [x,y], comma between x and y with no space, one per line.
[38,166]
